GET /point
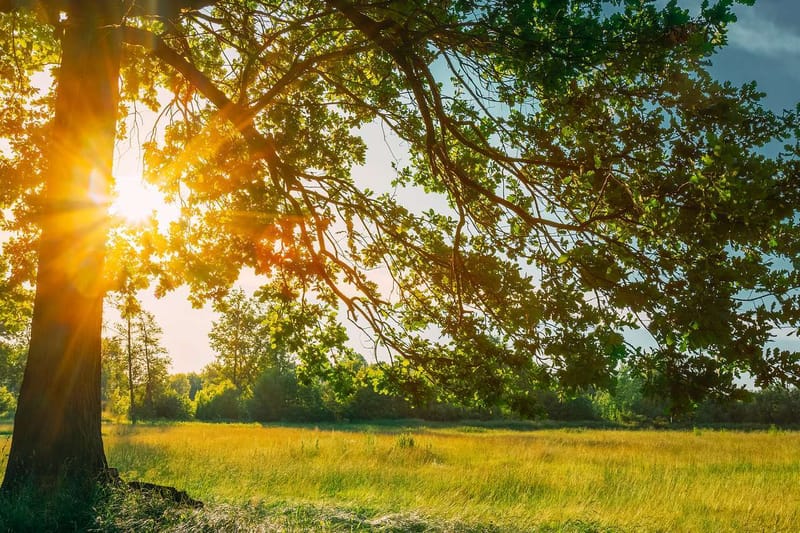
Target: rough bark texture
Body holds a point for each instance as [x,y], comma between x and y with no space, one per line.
[57,434]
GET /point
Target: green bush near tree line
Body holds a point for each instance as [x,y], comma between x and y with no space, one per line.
[8,401]
[281,397]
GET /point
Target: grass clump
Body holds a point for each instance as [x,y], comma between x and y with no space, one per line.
[125,510]
[30,511]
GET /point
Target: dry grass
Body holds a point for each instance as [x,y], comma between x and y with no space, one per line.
[629,480]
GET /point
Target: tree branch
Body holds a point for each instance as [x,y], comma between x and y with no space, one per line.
[261,146]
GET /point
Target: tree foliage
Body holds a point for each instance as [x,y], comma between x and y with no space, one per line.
[242,341]
[594,178]
[270,332]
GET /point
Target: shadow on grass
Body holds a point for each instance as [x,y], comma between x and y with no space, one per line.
[467,426]
[28,510]
[132,511]
[394,426]
[387,426]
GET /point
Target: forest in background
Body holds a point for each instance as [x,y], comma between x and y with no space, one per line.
[258,376]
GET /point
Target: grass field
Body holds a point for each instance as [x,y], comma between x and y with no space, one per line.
[469,477]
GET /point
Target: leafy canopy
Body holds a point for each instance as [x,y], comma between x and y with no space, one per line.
[573,172]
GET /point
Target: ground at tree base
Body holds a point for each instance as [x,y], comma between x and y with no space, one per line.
[125,509]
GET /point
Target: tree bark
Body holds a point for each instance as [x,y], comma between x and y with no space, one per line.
[57,436]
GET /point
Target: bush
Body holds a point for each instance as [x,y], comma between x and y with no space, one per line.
[277,396]
[172,406]
[220,402]
[366,404]
[716,411]
[448,412]
[571,409]
[627,401]
[773,405]
[8,403]
[525,404]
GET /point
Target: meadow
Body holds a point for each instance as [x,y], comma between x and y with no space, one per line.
[457,478]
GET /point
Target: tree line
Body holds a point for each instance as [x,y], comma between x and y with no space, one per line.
[257,375]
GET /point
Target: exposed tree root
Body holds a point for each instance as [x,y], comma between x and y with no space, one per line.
[168,493]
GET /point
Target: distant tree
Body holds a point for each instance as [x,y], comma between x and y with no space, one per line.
[195,384]
[16,306]
[128,307]
[115,382]
[241,340]
[153,357]
[220,401]
[136,349]
[275,397]
[272,332]
[180,384]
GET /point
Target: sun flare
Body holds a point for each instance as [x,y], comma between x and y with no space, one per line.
[135,200]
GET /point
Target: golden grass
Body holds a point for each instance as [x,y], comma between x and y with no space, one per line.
[631,480]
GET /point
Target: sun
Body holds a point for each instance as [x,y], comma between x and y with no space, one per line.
[135,200]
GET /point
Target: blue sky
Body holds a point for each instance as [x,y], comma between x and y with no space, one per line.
[763,46]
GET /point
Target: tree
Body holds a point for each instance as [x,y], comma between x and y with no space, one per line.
[272,332]
[154,358]
[128,307]
[57,426]
[590,176]
[116,385]
[240,340]
[15,315]
[144,364]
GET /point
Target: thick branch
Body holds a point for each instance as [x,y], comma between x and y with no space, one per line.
[262,146]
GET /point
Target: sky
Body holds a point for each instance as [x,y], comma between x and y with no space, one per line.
[764,46]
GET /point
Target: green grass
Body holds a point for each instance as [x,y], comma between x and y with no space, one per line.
[454,478]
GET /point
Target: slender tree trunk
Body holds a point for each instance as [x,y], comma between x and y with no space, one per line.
[148,391]
[236,350]
[57,436]
[132,408]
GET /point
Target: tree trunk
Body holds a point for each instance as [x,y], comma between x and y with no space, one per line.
[132,408]
[148,390]
[57,436]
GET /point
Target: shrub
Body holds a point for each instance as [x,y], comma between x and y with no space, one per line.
[8,403]
[172,406]
[220,402]
[277,396]
[773,405]
[366,404]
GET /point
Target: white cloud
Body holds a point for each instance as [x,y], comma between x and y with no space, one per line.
[764,37]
